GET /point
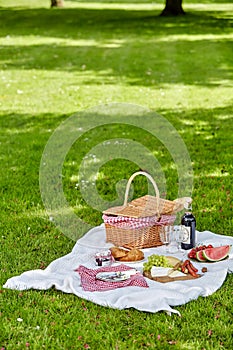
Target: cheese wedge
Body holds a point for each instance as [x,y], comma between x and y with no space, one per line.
[172,260]
[165,271]
[176,273]
[160,271]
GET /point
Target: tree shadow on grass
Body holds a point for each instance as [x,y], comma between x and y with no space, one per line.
[204,135]
[199,128]
[103,46]
[68,22]
[111,60]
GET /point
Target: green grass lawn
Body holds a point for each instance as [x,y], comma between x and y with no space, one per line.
[58,62]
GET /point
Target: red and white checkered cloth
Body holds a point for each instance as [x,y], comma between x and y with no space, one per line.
[91,284]
[126,222]
[166,220]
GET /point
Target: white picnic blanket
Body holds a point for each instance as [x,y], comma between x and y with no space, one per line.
[159,296]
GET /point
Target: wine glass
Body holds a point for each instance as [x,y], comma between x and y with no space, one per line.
[165,235]
[181,235]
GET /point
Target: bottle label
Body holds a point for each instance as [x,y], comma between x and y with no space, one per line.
[187,239]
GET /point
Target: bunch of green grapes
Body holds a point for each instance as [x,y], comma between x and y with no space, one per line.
[156,260]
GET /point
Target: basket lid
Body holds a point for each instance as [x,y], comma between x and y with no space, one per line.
[146,206]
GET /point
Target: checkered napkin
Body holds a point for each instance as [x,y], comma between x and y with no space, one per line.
[91,284]
[126,222]
[166,220]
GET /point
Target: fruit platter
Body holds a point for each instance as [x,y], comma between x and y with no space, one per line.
[203,253]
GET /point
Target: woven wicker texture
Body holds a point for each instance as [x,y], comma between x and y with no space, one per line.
[143,237]
[145,206]
[136,238]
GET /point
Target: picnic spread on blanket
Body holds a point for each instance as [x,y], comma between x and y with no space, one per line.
[135,259]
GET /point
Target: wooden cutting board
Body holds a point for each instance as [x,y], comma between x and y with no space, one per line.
[166,279]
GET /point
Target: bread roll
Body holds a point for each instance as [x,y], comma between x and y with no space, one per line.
[118,252]
[133,255]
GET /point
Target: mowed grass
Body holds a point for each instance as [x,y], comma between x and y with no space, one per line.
[58,62]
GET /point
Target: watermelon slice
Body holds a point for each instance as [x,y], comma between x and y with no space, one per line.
[199,256]
[216,254]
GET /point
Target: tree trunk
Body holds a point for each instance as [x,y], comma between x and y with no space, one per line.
[56,3]
[173,8]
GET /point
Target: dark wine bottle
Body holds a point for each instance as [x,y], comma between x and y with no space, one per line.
[189,221]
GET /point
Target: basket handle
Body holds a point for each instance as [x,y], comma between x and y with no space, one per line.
[152,181]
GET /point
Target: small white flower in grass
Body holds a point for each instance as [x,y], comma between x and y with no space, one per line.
[37,327]
[19,92]
[19,319]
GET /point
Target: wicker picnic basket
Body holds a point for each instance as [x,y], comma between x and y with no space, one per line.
[138,224]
